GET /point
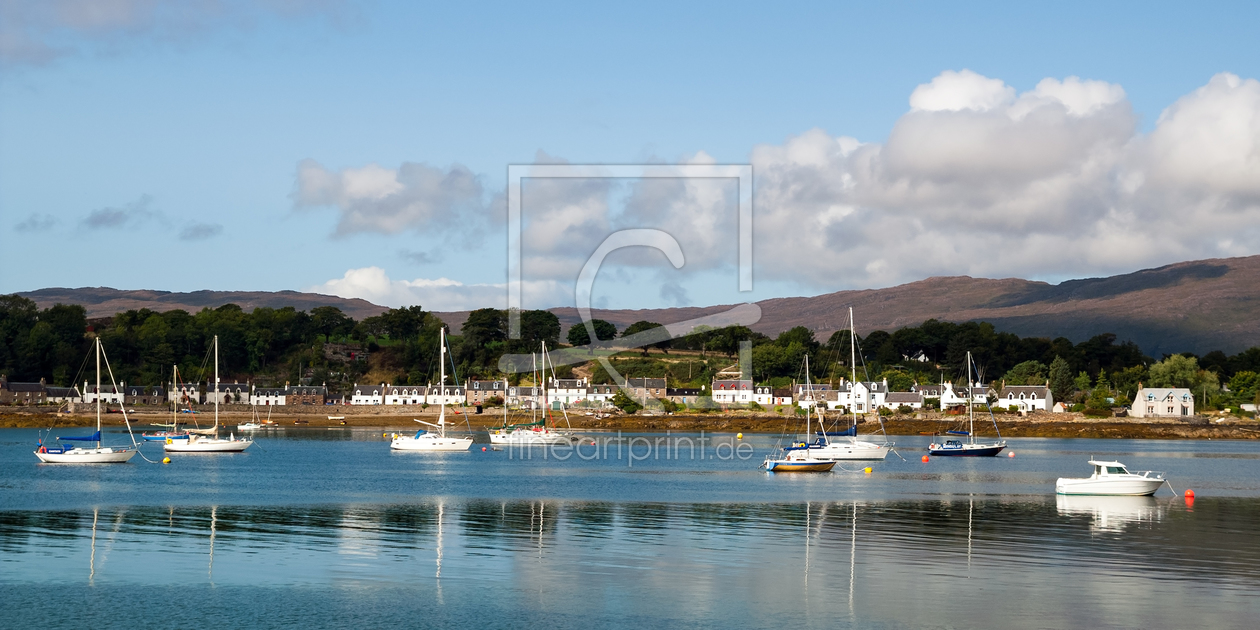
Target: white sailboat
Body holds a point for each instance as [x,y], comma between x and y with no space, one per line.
[207,440]
[428,440]
[70,454]
[800,456]
[851,449]
[536,433]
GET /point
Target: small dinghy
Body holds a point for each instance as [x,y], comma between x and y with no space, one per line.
[1112,479]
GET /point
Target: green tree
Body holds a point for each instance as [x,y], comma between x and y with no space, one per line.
[625,403]
[604,331]
[1061,384]
[1175,371]
[1082,382]
[662,337]
[1027,373]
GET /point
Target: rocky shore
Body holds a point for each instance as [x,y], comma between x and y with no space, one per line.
[1064,425]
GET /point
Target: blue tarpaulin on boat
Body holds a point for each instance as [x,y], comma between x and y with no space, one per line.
[958,433]
[95,437]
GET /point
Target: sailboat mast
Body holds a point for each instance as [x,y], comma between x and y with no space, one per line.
[442,379]
[853,366]
[216,381]
[98,392]
[971,397]
[546,407]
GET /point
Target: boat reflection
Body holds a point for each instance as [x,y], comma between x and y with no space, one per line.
[1110,514]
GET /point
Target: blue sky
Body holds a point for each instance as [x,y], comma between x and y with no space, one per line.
[147,145]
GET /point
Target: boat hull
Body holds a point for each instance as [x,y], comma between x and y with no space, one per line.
[207,445]
[799,466]
[850,452]
[967,450]
[426,443]
[1135,487]
[532,438]
[104,455]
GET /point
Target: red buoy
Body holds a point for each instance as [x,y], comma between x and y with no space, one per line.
[483,449]
[925,459]
[1189,493]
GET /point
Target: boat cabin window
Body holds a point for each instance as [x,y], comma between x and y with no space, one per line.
[1116,470]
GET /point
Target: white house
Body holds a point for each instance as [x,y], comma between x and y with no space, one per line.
[566,390]
[368,394]
[767,395]
[1155,402]
[1026,398]
[867,396]
[955,395]
[894,400]
[108,394]
[64,395]
[268,396]
[184,393]
[525,397]
[405,394]
[600,395]
[447,395]
[732,392]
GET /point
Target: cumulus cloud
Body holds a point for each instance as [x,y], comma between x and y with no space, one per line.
[974,178]
[36,223]
[35,33]
[388,201]
[200,231]
[136,213]
[441,294]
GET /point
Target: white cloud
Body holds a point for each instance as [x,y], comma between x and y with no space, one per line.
[954,91]
[377,199]
[974,178]
[441,294]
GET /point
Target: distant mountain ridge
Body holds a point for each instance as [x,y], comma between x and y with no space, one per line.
[1196,306]
[104,301]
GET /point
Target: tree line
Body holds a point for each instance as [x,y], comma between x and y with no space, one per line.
[325,346]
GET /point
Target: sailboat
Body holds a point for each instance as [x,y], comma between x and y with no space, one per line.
[851,449]
[534,433]
[207,440]
[172,431]
[70,454]
[426,440]
[969,448]
[801,456]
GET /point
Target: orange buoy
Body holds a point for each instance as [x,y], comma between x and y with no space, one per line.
[483,449]
[1011,454]
[1189,493]
[925,459]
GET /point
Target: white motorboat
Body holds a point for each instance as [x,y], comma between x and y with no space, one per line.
[69,454]
[1113,479]
[428,440]
[207,440]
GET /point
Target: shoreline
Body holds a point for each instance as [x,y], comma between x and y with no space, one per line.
[1046,425]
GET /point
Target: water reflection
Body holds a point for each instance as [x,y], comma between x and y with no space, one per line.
[789,559]
[1111,514]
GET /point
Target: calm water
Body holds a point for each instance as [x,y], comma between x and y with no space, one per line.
[329,528]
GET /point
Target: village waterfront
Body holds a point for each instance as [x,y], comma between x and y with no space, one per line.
[326,527]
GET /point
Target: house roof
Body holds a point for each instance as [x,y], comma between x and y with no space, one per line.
[649,383]
[24,387]
[904,397]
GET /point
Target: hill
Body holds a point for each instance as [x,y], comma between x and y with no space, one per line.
[104,301]
[1196,306]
